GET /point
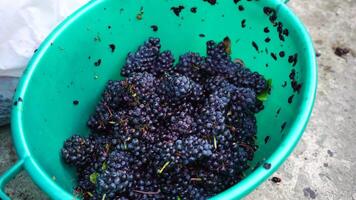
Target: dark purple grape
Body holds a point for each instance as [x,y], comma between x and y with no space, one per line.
[77,150]
[170,132]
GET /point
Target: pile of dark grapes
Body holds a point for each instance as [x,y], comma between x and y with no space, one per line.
[169,131]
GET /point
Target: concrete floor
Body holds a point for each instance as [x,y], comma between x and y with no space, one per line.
[323,166]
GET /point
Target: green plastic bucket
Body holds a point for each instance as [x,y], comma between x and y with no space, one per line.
[63,70]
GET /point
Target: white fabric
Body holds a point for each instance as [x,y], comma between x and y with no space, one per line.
[24,24]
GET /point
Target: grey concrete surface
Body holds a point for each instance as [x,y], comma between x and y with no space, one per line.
[21,187]
[323,166]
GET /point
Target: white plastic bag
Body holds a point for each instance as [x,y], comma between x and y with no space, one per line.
[24,25]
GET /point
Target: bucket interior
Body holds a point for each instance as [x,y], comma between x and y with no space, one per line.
[67,71]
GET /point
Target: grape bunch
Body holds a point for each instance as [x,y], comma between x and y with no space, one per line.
[169,130]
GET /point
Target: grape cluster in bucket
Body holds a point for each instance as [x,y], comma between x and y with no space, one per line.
[170,131]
